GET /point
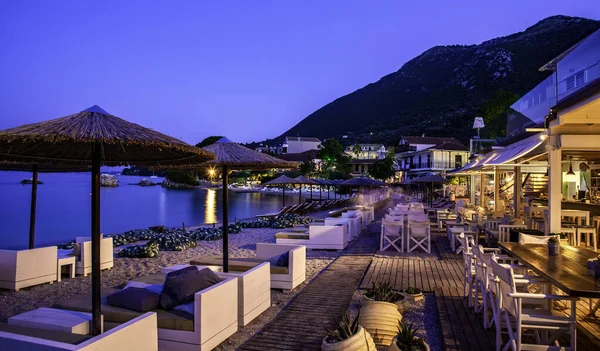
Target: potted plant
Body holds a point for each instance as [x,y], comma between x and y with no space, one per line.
[407,340]
[384,292]
[347,335]
[553,246]
[380,315]
[413,294]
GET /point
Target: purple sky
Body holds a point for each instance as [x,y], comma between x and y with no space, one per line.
[246,69]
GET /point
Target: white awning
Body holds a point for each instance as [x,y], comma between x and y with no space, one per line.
[513,152]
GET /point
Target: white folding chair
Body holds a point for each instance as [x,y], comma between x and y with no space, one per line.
[391,235]
[419,235]
[545,324]
[468,267]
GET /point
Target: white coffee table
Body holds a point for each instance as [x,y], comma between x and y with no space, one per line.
[68,261]
[55,319]
[177,267]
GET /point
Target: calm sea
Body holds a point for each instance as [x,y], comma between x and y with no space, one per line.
[64,207]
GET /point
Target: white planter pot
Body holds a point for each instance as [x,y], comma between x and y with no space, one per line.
[394,347]
[381,320]
[361,341]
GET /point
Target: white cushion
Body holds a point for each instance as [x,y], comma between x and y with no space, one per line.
[533,239]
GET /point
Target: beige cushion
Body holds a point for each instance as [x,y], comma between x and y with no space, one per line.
[292,235]
[166,319]
[64,337]
[237,264]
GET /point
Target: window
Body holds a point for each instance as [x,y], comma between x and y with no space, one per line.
[575,80]
[420,164]
[428,160]
[457,161]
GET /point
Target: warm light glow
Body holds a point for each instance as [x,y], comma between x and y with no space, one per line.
[210,207]
[543,136]
[211,173]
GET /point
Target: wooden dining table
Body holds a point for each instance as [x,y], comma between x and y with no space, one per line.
[568,270]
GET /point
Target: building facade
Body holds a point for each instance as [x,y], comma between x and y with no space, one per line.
[296,145]
[417,156]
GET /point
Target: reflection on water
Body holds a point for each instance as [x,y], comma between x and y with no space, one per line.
[210,210]
[64,208]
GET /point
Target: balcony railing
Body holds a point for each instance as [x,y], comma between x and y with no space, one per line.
[431,165]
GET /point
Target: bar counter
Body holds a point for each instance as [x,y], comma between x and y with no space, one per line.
[594,208]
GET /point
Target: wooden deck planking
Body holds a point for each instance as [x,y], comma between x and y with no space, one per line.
[299,326]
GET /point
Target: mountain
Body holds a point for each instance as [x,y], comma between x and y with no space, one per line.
[441,91]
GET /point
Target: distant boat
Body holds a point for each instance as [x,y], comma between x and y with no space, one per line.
[30,181]
[153,176]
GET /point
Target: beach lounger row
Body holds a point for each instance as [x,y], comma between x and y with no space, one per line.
[308,207]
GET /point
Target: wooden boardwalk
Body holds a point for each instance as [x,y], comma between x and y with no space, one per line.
[300,325]
[462,328]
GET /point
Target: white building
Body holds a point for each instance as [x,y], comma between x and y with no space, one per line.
[420,155]
[296,145]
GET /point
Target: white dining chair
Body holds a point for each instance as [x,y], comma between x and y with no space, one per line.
[391,235]
[419,236]
[547,325]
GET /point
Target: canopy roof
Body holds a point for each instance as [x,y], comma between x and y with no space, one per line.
[71,139]
[283,179]
[509,156]
[234,155]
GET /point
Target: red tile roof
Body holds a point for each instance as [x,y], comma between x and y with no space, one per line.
[439,143]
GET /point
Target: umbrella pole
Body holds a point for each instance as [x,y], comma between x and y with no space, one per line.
[225,220]
[300,195]
[311,192]
[33,205]
[320,189]
[96,313]
[283,190]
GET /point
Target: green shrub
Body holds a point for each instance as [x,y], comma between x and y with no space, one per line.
[182,177]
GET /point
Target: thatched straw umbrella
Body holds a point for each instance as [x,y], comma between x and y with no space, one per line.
[282,180]
[95,137]
[35,169]
[302,180]
[230,155]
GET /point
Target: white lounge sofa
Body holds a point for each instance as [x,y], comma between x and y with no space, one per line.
[296,266]
[83,263]
[285,278]
[254,291]
[24,268]
[215,316]
[346,222]
[139,333]
[324,237]
[356,220]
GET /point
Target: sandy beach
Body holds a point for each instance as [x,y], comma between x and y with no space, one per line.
[125,269]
